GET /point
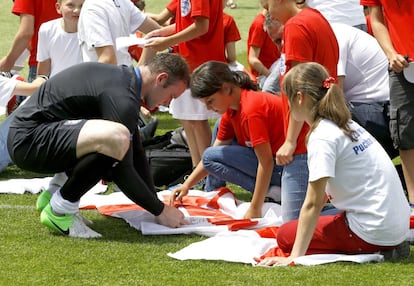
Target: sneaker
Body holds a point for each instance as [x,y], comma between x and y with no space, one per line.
[67,224]
[43,200]
[178,137]
[402,251]
[80,230]
[86,221]
[274,195]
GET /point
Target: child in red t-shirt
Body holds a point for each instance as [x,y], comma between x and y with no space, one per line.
[252,117]
[198,31]
[262,52]
[231,36]
[308,37]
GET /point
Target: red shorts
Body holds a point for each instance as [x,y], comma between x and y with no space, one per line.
[331,235]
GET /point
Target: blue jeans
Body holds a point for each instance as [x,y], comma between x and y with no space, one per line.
[31,77]
[235,164]
[295,178]
[213,182]
[5,159]
[272,82]
[374,117]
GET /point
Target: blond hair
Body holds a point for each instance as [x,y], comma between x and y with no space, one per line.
[327,98]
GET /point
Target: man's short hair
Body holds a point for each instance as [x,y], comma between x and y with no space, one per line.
[173,64]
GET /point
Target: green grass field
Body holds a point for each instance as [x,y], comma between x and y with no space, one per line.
[30,255]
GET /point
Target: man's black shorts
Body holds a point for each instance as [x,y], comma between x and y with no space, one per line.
[47,148]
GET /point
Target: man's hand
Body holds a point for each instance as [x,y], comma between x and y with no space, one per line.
[171,217]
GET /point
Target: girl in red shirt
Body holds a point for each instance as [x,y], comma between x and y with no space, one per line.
[251,117]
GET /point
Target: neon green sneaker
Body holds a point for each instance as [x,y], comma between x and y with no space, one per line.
[68,224]
[58,224]
[43,200]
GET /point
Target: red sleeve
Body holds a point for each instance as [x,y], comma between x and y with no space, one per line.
[370,2]
[24,7]
[200,8]
[297,45]
[172,6]
[225,130]
[257,34]
[231,32]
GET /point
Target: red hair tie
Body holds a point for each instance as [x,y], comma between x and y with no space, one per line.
[327,82]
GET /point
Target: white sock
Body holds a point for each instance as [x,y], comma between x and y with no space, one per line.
[61,206]
[58,180]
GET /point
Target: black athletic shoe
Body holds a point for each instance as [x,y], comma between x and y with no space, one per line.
[402,251]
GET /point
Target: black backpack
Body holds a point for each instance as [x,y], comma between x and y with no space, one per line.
[169,162]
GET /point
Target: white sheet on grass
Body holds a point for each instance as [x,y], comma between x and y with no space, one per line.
[235,246]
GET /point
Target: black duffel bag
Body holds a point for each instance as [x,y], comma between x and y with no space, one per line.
[169,164]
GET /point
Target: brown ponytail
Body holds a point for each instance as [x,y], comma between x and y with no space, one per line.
[329,102]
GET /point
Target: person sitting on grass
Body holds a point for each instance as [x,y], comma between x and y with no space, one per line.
[251,116]
[348,167]
[83,122]
[11,85]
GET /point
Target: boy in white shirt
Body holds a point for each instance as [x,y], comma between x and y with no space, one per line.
[58,47]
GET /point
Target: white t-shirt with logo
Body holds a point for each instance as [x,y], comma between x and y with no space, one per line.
[363,182]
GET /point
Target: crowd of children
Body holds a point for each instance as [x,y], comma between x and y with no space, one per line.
[316,138]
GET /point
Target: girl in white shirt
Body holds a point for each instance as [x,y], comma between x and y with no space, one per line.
[348,167]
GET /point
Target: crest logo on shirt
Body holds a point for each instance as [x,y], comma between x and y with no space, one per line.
[72,122]
[185,7]
[282,63]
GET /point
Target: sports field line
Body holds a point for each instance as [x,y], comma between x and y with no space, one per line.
[16,207]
